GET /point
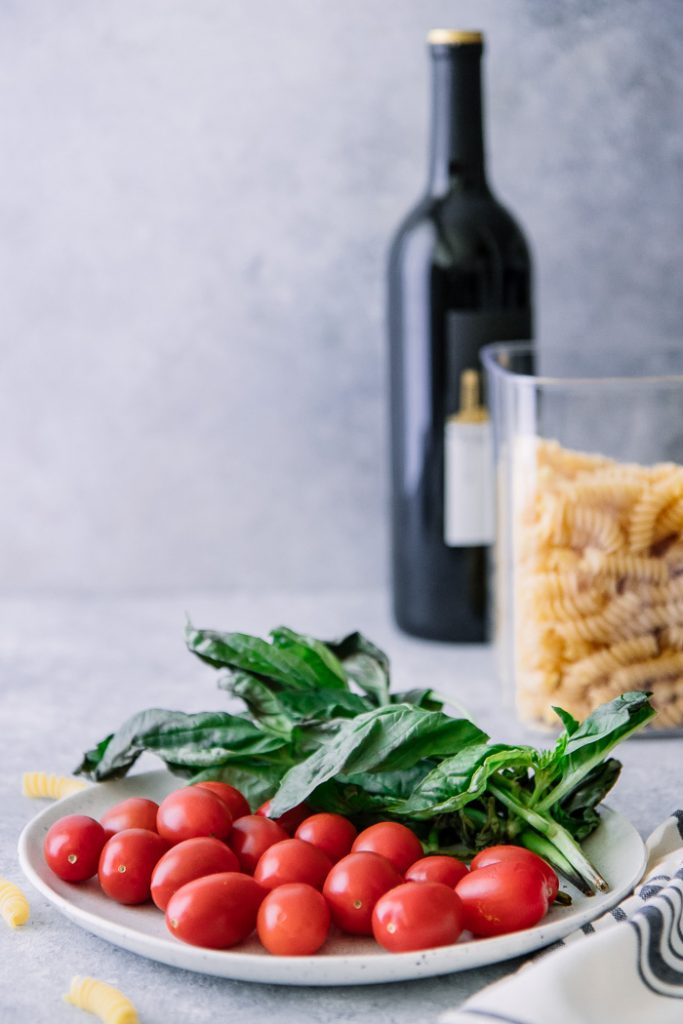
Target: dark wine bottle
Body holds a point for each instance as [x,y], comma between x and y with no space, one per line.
[459,277]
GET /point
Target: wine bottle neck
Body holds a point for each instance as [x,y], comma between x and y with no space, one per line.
[457,142]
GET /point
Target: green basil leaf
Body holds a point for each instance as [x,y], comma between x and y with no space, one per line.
[458,780]
[251,654]
[327,667]
[428,699]
[589,744]
[386,739]
[577,811]
[282,710]
[185,740]
[365,664]
[264,705]
[568,721]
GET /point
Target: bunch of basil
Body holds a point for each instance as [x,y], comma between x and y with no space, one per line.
[371,754]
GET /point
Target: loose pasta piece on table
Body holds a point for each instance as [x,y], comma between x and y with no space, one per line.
[105,1001]
[41,786]
[14,908]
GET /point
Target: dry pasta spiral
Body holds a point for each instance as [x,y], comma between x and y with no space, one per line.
[105,1001]
[598,569]
[40,785]
[14,908]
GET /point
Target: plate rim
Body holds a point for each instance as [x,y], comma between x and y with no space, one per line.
[381,967]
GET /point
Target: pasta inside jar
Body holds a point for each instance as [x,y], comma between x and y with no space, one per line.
[597,552]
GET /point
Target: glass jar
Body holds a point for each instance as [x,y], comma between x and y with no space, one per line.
[589,548]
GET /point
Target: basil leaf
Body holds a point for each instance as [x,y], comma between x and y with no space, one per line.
[458,780]
[325,664]
[365,664]
[251,654]
[263,704]
[568,721]
[184,740]
[428,699]
[385,739]
[577,811]
[282,710]
[588,745]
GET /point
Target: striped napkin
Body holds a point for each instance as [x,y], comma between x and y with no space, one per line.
[625,968]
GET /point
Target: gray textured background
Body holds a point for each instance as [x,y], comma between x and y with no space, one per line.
[195,202]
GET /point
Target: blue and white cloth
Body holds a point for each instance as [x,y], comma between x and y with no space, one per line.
[625,968]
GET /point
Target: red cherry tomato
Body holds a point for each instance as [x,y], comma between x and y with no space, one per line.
[438,868]
[503,897]
[250,838]
[217,911]
[293,920]
[331,833]
[136,812]
[417,915]
[496,854]
[193,858]
[72,847]
[190,812]
[292,860]
[236,803]
[353,887]
[127,862]
[291,819]
[393,841]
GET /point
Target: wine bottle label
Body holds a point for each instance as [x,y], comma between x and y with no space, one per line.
[468,484]
[469,499]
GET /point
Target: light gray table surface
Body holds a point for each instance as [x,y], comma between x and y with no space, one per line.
[71,669]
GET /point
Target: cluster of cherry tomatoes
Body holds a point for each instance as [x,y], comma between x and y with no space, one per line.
[218,872]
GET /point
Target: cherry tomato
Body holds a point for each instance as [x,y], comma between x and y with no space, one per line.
[495,854]
[417,915]
[438,868]
[127,862]
[293,920]
[393,841]
[291,819]
[292,860]
[250,838]
[236,803]
[331,833]
[353,887]
[193,858]
[503,897]
[190,812]
[136,812]
[217,911]
[72,847]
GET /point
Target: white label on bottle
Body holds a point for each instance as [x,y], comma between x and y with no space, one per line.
[468,484]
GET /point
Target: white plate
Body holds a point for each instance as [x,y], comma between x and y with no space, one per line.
[615,848]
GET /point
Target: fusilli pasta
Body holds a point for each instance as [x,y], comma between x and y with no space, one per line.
[40,785]
[105,1001]
[598,567]
[14,907]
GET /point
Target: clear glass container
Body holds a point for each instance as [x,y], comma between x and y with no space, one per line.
[588,560]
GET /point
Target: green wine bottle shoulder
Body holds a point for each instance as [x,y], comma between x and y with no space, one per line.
[468,233]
